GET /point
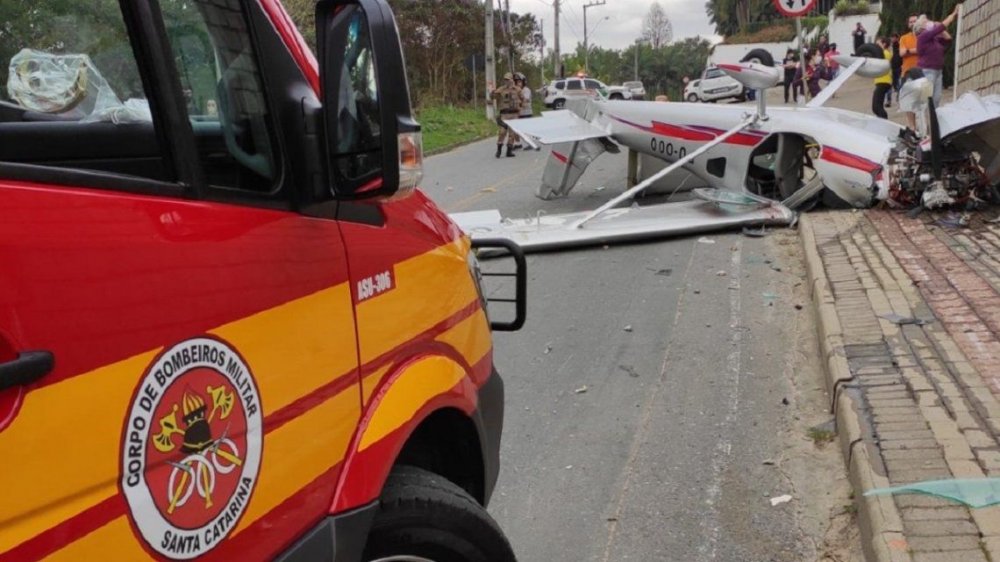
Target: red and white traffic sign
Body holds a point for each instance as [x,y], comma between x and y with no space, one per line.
[794,8]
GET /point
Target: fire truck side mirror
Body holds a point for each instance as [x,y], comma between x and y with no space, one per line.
[372,143]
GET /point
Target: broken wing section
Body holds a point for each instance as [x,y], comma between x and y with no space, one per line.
[566,164]
[716,210]
[559,126]
[577,142]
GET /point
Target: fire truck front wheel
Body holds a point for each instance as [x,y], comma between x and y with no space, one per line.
[425,516]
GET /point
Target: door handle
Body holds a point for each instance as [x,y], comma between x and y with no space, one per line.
[28,367]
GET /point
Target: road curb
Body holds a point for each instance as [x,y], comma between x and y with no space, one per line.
[878,518]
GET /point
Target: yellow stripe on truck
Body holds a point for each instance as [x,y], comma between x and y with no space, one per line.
[417,302]
[468,337]
[298,465]
[423,380]
[113,541]
[75,464]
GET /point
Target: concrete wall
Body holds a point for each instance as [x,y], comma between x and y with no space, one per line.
[979,66]
[841,28]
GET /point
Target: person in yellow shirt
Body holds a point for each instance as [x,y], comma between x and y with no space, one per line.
[883,84]
[908,52]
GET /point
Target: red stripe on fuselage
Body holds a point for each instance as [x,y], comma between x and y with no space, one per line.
[842,158]
[695,133]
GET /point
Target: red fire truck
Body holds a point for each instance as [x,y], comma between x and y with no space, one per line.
[230,326]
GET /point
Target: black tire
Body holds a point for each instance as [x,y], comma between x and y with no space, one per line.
[425,515]
[870,50]
[617,97]
[559,104]
[693,98]
[760,56]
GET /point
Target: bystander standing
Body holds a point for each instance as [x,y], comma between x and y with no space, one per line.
[908,54]
[932,41]
[859,36]
[883,84]
[791,64]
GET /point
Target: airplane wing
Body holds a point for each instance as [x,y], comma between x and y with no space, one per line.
[558,126]
[548,232]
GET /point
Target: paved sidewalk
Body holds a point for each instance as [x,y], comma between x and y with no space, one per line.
[912,402]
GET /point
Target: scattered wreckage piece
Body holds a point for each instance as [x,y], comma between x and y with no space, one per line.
[627,224]
[972,492]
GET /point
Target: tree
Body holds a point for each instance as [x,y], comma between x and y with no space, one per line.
[656,26]
[735,16]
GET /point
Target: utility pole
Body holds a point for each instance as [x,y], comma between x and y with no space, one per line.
[509,36]
[637,44]
[558,59]
[586,45]
[541,52]
[491,73]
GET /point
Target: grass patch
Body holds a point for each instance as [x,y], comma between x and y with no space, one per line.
[447,126]
[821,436]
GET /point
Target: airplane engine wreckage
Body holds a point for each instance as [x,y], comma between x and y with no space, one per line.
[759,167]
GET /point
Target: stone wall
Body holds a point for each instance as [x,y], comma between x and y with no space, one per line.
[979,66]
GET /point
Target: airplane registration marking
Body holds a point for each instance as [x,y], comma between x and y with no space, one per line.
[666,148]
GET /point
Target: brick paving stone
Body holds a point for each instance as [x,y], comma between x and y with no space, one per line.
[957,449]
[935,513]
[940,528]
[965,469]
[989,459]
[909,444]
[909,435]
[916,454]
[918,475]
[979,439]
[902,465]
[988,521]
[951,556]
[904,501]
[877,402]
[944,544]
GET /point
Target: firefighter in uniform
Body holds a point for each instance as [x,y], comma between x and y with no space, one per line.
[508,105]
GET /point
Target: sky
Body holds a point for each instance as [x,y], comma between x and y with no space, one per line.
[624,23]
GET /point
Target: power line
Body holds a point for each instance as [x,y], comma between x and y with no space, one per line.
[571,27]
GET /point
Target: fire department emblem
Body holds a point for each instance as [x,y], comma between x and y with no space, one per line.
[191,447]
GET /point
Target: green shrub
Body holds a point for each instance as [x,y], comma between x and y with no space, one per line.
[852,8]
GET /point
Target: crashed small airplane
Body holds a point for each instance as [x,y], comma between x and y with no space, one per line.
[757,167]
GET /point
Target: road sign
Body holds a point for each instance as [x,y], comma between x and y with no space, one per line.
[794,8]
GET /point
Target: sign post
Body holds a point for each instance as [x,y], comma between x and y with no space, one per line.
[796,9]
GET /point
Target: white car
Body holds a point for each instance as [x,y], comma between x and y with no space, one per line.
[559,91]
[716,85]
[637,89]
[691,91]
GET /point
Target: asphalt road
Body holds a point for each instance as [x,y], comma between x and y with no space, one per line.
[659,393]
